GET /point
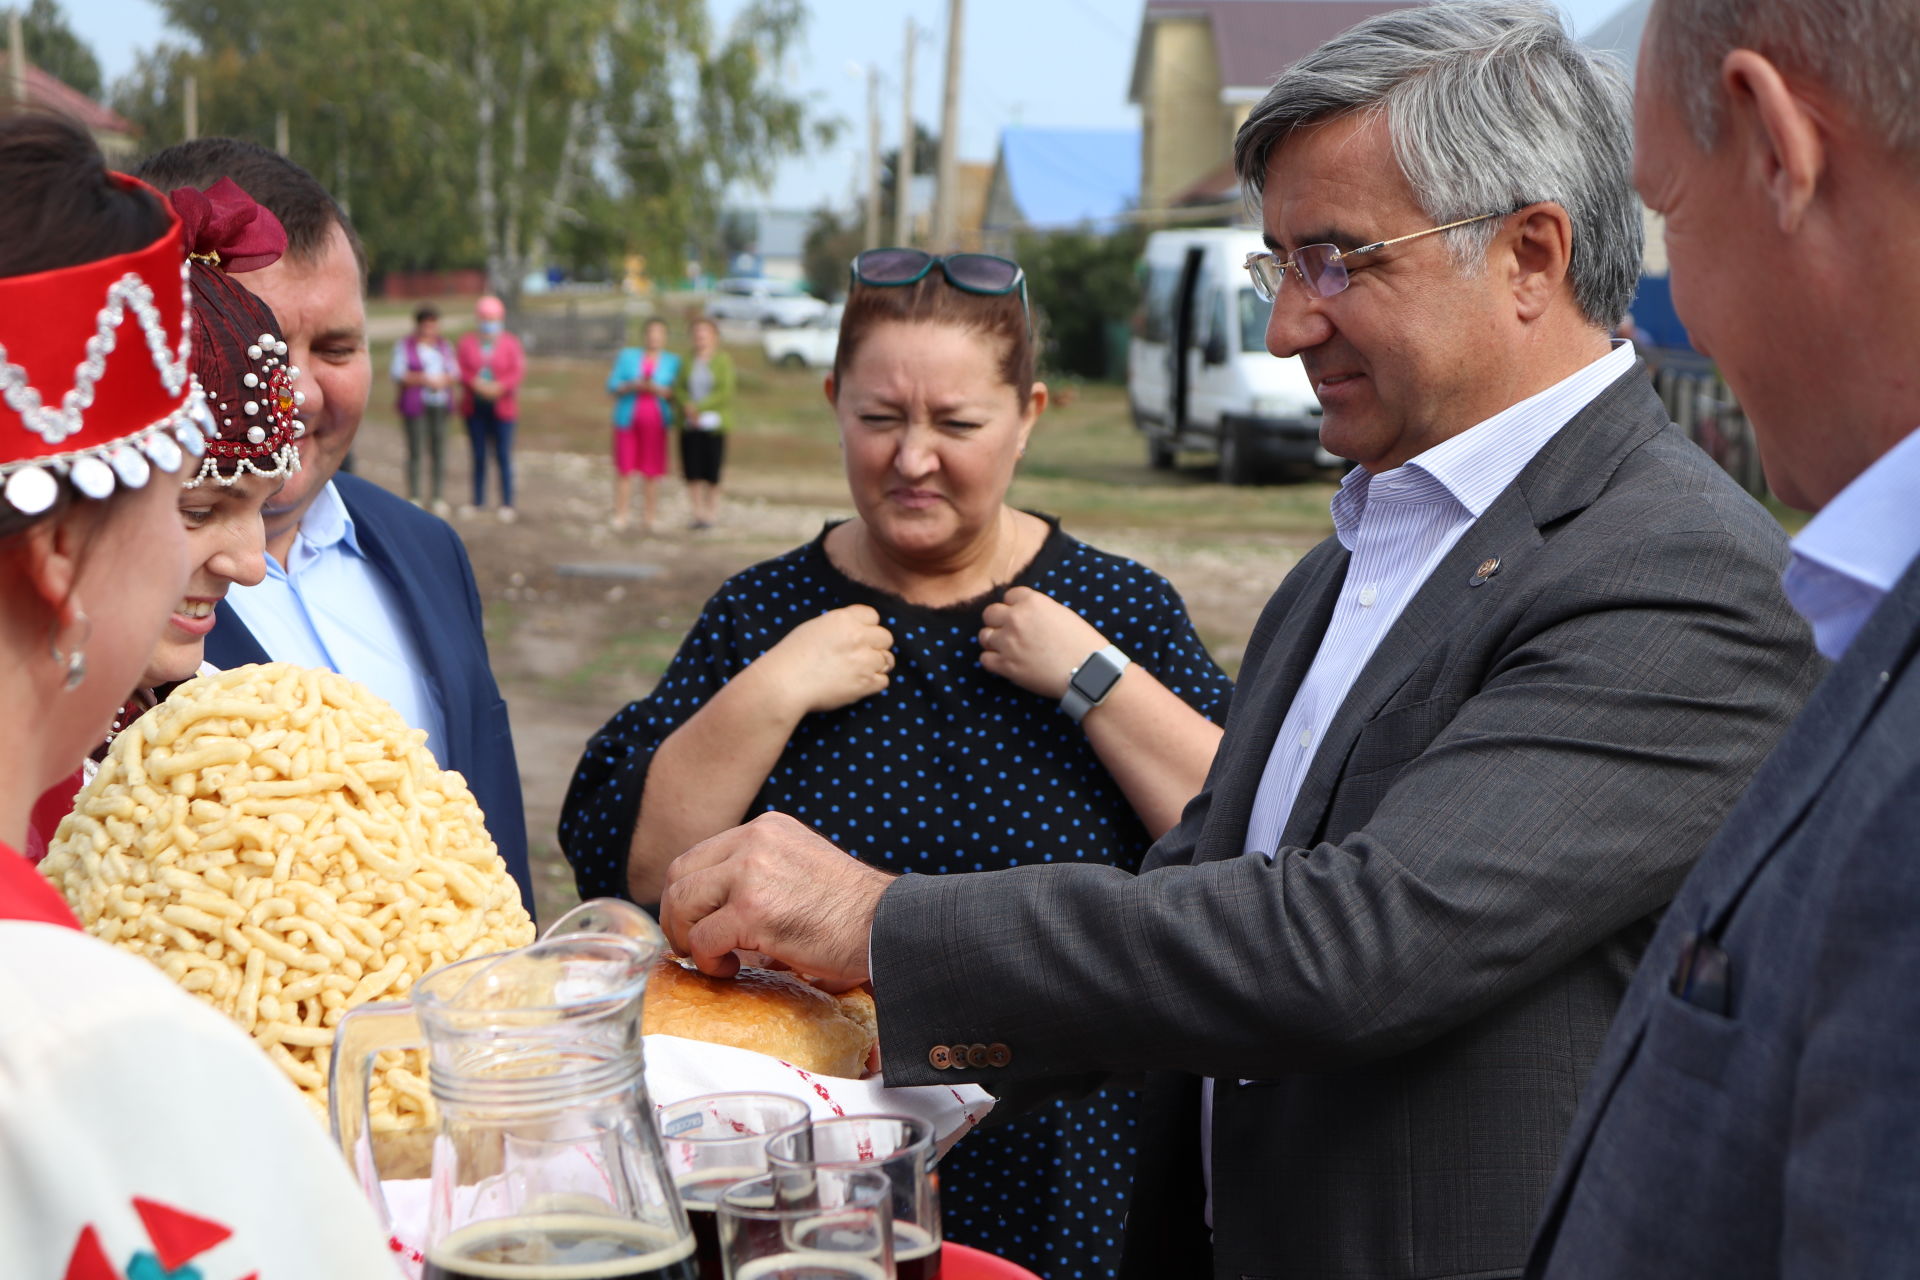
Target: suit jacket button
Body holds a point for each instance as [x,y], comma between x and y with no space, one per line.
[958,1057]
[939,1057]
[976,1056]
[998,1055]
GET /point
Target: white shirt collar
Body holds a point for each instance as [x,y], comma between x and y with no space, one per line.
[1869,531]
[1857,548]
[328,522]
[1475,466]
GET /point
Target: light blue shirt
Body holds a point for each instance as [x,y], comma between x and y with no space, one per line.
[1853,553]
[1397,526]
[329,607]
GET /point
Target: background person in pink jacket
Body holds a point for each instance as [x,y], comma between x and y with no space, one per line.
[491,366]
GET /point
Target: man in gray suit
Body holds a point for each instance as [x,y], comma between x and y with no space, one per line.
[1479,736]
[1756,1110]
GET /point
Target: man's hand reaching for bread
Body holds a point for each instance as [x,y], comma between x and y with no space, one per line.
[776,887]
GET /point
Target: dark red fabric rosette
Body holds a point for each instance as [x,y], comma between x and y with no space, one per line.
[226,221]
[239,354]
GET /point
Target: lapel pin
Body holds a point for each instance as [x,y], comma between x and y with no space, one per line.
[1488,567]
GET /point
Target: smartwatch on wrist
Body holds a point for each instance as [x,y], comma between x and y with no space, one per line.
[1091,682]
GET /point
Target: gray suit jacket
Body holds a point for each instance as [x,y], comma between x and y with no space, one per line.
[1777,1134]
[1402,1004]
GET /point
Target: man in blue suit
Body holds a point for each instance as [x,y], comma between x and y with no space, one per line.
[358,580]
[1756,1110]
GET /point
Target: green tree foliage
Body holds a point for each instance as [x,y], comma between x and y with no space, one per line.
[1084,283]
[926,161]
[504,133]
[53,47]
[830,245]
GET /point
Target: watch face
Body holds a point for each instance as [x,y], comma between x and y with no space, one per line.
[1095,678]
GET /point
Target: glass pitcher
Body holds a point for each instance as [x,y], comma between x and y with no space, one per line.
[546,1160]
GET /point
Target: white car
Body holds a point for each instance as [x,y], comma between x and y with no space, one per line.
[805,346]
[755,300]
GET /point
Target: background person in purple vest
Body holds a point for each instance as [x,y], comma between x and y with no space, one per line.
[424,370]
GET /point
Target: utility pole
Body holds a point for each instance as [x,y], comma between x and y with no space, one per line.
[16,59]
[874,230]
[946,207]
[191,108]
[903,171]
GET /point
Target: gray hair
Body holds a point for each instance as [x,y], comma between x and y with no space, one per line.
[1865,52]
[1491,106]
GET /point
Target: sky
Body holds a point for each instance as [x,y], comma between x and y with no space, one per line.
[1052,63]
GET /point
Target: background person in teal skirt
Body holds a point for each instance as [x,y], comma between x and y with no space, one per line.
[641,382]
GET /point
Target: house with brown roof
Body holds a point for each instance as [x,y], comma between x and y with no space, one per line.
[25,87]
[1198,69]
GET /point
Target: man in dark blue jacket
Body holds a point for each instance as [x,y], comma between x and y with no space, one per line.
[358,580]
[1754,1111]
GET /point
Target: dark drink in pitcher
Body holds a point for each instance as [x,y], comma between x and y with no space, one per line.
[576,1246]
[916,1255]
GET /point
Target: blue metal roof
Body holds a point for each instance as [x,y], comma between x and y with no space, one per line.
[1062,177]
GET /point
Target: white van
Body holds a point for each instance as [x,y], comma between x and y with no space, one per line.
[1199,376]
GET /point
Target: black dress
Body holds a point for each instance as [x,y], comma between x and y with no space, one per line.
[950,768]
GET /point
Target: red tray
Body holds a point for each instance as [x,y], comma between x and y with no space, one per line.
[958,1262]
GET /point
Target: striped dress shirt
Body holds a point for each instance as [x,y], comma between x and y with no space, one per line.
[1397,526]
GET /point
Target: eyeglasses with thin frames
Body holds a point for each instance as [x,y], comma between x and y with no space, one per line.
[1322,268]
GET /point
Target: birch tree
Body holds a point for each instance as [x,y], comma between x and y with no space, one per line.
[493,132]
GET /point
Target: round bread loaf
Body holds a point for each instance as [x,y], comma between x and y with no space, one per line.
[767,1011]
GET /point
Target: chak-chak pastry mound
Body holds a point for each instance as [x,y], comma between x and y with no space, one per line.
[282,845]
[767,1011]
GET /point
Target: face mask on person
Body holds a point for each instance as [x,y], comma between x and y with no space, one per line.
[490,327]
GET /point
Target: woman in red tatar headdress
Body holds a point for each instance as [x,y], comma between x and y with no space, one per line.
[239,362]
[135,1121]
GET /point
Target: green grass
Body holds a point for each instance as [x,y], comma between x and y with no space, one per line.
[629,658]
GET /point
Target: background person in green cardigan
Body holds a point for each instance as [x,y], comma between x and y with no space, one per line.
[704,392]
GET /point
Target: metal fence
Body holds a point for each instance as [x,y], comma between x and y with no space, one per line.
[572,330]
[1702,405]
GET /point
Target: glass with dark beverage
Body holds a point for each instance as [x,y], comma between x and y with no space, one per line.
[808,1224]
[899,1146]
[714,1141]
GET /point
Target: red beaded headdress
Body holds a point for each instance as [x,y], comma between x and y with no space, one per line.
[238,356]
[94,373]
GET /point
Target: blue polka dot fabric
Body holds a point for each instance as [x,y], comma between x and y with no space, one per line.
[950,768]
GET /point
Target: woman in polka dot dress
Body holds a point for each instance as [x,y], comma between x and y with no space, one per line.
[897,684]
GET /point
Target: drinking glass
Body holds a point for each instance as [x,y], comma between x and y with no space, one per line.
[713,1141]
[808,1224]
[899,1146]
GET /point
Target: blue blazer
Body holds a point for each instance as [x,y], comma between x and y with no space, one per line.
[1767,1124]
[626,368]
[424,560]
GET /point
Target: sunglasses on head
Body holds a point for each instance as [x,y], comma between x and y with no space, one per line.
[980,273]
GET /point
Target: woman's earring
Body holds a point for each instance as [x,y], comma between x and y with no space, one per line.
[74,660]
